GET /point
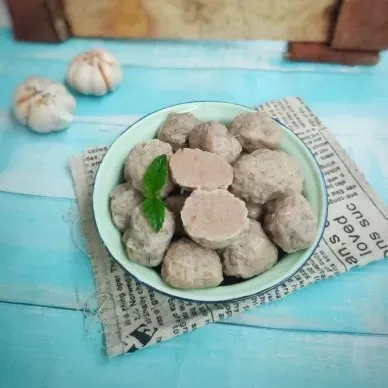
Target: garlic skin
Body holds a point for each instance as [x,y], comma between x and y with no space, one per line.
[43,105]
[95,72]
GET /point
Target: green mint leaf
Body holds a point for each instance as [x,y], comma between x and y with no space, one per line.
[155,212]
[155,177]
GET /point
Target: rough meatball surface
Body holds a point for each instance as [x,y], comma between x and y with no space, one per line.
[197,169]
[195,137]
[144,246]
[189,265]
[124,198]
[264,175]
[256,130]
[291,223]
[250,254]
[214,137]
[141,157]
[214,219]
[176,129]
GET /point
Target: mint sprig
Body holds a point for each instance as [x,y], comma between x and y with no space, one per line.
[155,212]
[153,181]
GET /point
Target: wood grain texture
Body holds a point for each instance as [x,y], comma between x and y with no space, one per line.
[38,20]
[323,52]
[61,349]
[261,55]
[41,258]
[200,19]
[362,25]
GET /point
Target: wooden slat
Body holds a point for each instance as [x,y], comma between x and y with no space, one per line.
[342,307]
[42,252]
[200,19]
[43,167]
[323,52]
[265,56]
[43,347]
[38,20]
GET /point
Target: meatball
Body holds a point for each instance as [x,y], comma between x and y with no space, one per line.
[196,169]
[188,265]
[176,129]
[144,246]
[124,198]
[256,130]
[214,219]
[291,223]
[264,175]
[195,137]
[250,254]
[255,211]
[141,157]
[214,137]
[175,204]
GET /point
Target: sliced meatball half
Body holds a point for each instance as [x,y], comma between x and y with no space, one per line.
[214,219]
[197,169]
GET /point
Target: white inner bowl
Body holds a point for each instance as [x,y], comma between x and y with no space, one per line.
[110,174]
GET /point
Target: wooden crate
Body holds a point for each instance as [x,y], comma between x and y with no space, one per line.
[297,20]
[202,19]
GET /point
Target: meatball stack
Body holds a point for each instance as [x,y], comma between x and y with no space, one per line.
[232,199]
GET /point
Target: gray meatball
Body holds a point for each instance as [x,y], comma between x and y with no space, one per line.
[264,175]
[256,130]
[176,129]
[175,204]
[250,254]
[188,265]
[214,219]
[291,223]
[195,137]
[144,246]
[197,169]
[141,157]
[124,198]
[214,137]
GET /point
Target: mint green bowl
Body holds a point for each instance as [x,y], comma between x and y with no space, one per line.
[110,172]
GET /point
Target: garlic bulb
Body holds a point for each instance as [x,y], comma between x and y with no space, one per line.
[43,105]
[95,72]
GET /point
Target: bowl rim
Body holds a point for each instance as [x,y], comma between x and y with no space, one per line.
[323,189]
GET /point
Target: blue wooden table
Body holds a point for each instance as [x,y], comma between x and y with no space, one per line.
[332,334]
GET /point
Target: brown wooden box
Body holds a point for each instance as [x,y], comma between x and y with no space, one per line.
[297,20]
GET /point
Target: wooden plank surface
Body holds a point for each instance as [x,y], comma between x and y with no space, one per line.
[41,249]
[201,19]
[59,348]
